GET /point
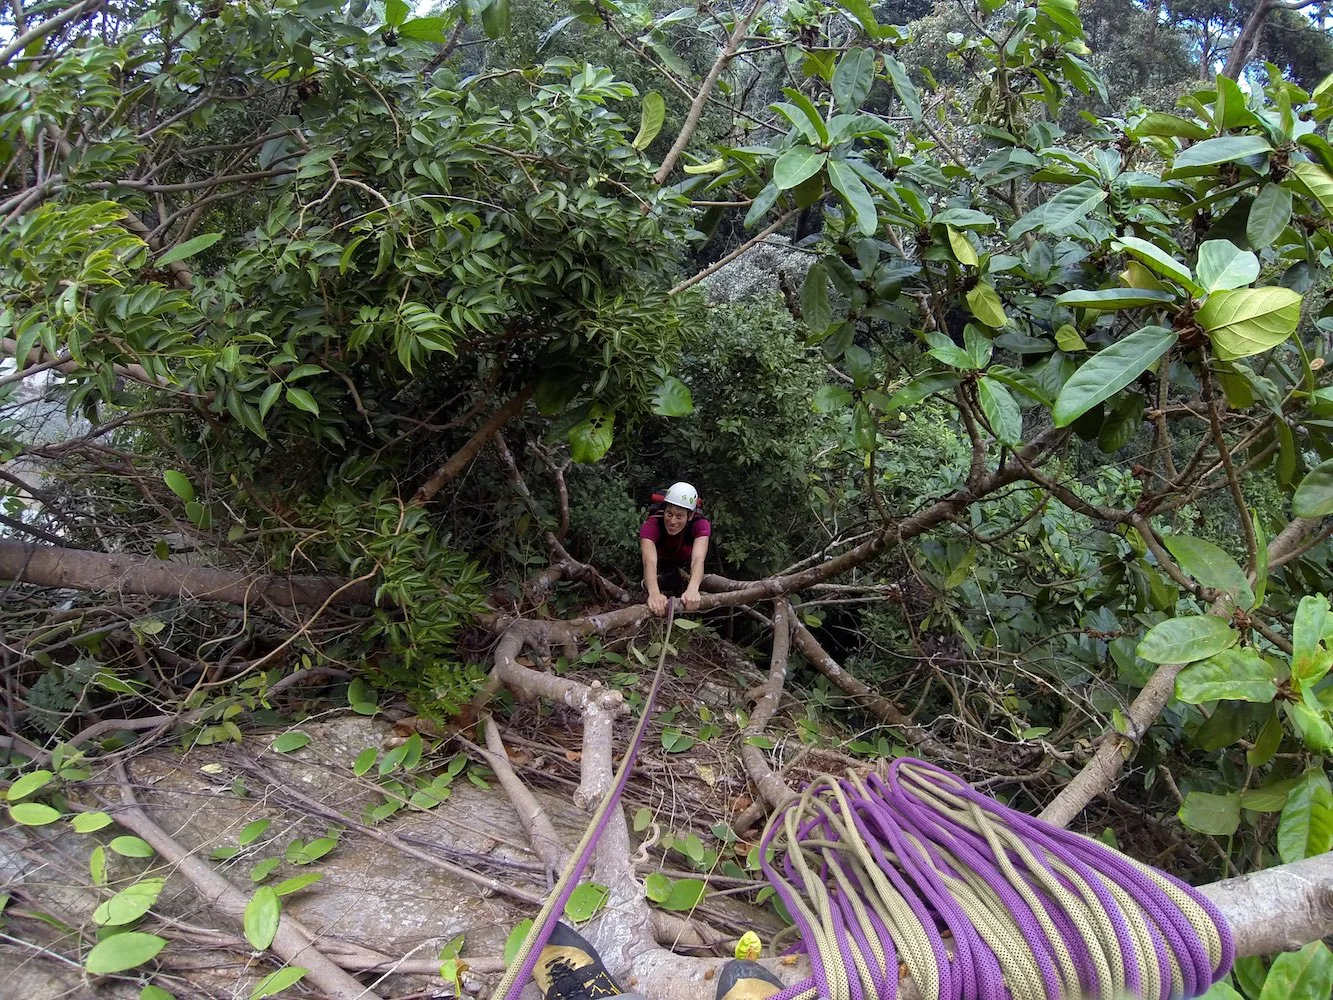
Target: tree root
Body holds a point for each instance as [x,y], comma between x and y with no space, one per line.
[772,788]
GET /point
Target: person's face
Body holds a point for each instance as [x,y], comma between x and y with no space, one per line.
[675,518]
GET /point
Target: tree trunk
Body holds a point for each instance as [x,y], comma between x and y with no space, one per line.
[1244,45]
[79,569]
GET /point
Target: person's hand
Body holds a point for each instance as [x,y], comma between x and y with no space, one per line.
[657,604]
[690,598]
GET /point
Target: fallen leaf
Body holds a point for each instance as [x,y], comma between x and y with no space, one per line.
[706,773]
[573,755]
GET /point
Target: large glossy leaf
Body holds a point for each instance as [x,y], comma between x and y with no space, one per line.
[122,951]
[262,914]
[854,193]
[651,117]
[426,29]
[495,19]
[590,439]
[1002,412]
[1223,265]
[1157,259]
[1071,206]
[1246,321]
[902,84]
[945,351]
[853,78]
[1110,370]
[1314,496]
[188,249]
[130,903]
[986,306]
[1114,298]
[1270,213]
[1231,675]
[1306,826]
[796,165]
[672,398]
[275,982]
[963,250]
[1170,126]
[918,389]
[1211,152]
[1217,815]
[1311,726]
[1187,640]
[1316,182]
[1210,565]
[1302,975]
[1310,661]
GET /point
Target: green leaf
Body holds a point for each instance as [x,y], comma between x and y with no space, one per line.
[945,351]
[1270,214]
[122,951]
[1306,826]
[1310,661]
[854,193]
[33,814]
[515,940]
[962,247]
[986,306]
[1211,152]
[131,847]
[1311,726]
[902,84]
[1110,370]
[796,165]
[1187,640]
[1317,183]
[651,119]
[1271,797]
[426,29]
[811,113]
[264,869]
[1068,208]
[1157,259]
[495,19]
[288,976]
[151,992]
[130,903]
[684,894]
[1231,675]
[1249,320]
[860,9]
[179,484]
[1210,566]
[1314,496]
[1170,126]
[853,78]
[1068,340]
[586,900]
[672,398]
[187,249]
[90,822]
[288,742]
[1216,815]
[261,917]
[26,784]
[657,887]
[302,400]
[395,12]
[1114,298]
[295,884]
[253,831]
[1222,991]
[863,427]
[1002,412]
[815,309]
[1302,975]
[1222,266]
[365,760]
[590,439]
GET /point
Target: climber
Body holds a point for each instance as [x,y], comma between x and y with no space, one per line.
[672,540]
[569,968]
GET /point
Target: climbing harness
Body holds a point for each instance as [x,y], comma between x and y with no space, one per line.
[520,969]
[976,900]
[918,874]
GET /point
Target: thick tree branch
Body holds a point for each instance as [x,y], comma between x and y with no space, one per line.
[77,569]
[460,459]
[774,790]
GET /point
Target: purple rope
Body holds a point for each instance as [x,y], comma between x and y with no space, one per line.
[915,846]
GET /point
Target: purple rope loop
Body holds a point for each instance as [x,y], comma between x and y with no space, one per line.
[917,826]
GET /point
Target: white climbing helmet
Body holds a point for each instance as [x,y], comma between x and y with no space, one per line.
[682,495]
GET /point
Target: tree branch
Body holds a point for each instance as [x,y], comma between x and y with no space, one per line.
[459,460]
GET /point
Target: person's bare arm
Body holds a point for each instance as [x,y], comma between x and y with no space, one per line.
[656,599]
[698,553]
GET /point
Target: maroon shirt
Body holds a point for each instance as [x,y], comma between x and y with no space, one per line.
[674,550]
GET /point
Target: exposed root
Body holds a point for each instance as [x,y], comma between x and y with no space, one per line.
[774,790]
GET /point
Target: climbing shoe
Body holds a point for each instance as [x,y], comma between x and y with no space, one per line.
[569,968]
[741,979]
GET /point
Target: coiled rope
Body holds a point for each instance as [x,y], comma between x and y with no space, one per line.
[976,900]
